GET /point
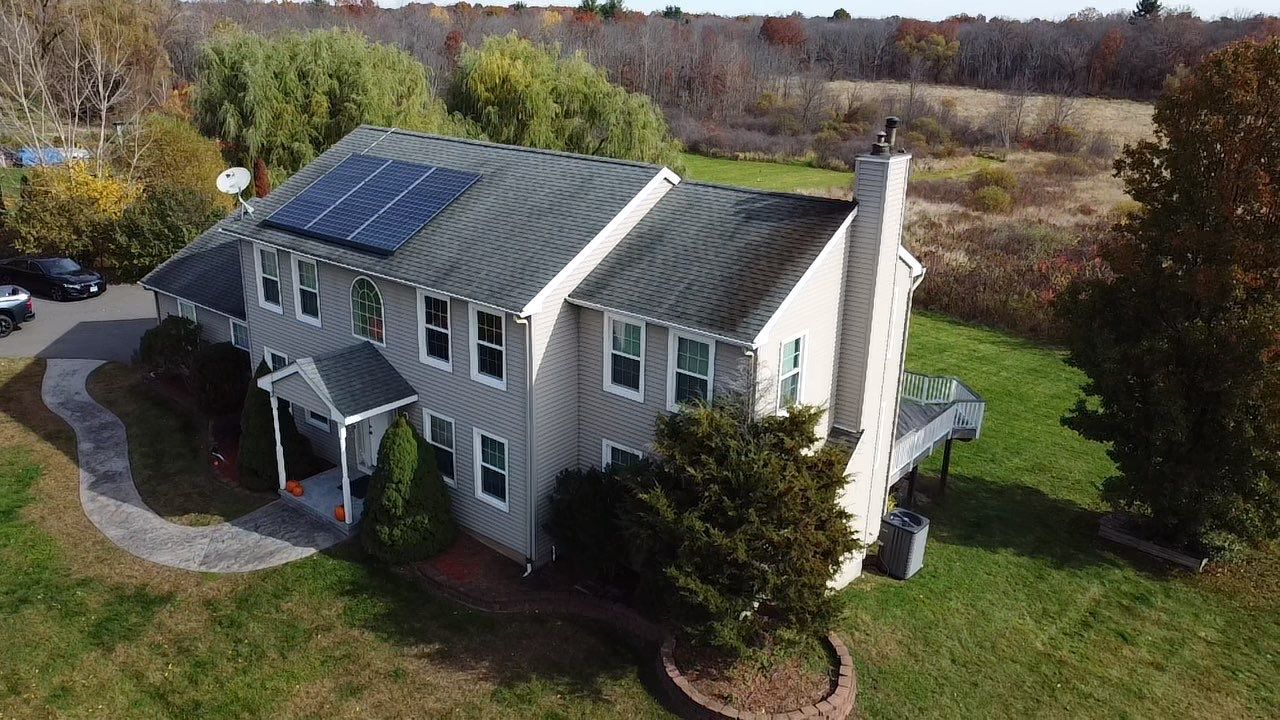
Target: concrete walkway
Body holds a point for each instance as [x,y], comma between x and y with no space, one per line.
[271,535]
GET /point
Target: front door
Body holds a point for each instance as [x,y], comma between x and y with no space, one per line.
[369,434]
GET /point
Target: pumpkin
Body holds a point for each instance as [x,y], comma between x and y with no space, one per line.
[340,513]
[297,490]
[289,486]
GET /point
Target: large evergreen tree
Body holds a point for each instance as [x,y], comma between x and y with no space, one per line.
[1182,344]
[525,94]
[406,513]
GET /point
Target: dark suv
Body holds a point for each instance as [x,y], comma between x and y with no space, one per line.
[58,278]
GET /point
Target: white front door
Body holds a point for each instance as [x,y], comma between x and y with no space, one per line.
[369,434]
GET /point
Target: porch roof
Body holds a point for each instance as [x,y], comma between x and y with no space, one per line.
[354,382]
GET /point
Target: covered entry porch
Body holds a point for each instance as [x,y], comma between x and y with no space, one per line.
[358,392]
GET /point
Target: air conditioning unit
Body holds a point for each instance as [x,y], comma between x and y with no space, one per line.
[902,538]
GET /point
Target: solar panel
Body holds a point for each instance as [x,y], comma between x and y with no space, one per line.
[371,203]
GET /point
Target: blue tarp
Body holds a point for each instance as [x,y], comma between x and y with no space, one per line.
[31,157]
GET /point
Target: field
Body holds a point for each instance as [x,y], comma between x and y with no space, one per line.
[780,177]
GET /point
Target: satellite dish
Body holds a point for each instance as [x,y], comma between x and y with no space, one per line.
[234,180]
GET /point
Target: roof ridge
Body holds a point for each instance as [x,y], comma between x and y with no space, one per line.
[515,148]
[777,193]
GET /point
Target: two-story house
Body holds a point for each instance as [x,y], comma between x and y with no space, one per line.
[532,311]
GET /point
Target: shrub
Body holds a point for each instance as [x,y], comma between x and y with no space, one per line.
[257,459]
[170,347]
[1066,166]
[220,378]
[407,510]
[738,526]
[990,198]
[171,153]
[584,521]
[151,230]
[993,176]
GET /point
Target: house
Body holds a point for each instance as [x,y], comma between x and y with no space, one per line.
[532,311]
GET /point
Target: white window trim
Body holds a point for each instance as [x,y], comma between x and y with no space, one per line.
[423,355]
[426,428]
[609,386]
[268,352]
[316,423]
[257,264]
[475,342]
[233,323]
[351,307]
[182,304]
[804,352]
[503,505]
[295,259]
[672,346]
[606,446]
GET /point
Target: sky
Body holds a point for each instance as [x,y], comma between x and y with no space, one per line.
[923,9]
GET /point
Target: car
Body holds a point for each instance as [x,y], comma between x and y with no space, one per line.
[15,308]
[58,278]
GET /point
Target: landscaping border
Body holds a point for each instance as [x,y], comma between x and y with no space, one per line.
[837,705]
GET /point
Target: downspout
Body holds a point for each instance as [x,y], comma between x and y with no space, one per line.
[528,444]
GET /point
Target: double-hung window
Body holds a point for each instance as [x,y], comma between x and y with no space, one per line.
[240,335]
[187,310]
[366,311]
[491,469]
[433,330]
[691,369]
[306,283]
[624,357]
[276,361]
[268,264]
[790,362]
[614,454]
[488,356]
[440,435]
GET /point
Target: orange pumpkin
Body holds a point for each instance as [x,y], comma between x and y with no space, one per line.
[340,513]
[290,485]
[297,490]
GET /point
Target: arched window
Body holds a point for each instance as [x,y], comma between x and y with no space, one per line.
[366,310]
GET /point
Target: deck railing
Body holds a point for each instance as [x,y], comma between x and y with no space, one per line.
[909,449]
[943,390]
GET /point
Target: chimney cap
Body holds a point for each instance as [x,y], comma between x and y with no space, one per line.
[892,122]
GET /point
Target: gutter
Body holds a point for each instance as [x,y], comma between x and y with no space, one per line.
[531,490]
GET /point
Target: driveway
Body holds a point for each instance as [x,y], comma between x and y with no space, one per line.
[107,327]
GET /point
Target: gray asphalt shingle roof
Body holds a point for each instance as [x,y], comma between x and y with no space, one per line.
[501,241]
[206,272]
[355,379]
[713,258]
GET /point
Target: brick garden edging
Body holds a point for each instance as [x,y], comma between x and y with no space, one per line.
[838,705]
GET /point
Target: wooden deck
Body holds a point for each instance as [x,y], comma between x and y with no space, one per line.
[932,412]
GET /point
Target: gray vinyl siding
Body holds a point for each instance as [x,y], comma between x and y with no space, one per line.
[814,312]
[303,398]
[606,416]
[555,356]
[214,327]
[454,394]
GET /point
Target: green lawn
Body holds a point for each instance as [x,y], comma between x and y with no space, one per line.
[1021,611]
[10,181]
[781,177]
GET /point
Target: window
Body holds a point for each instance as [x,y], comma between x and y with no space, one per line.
[789,362]
[624,357]
[187,310]
[366,310]
[488,361]
[306,283]
[319,420]
[433,330]
[690,369]
[275,360]
[440,435]
[491,469]
[615,454]
[268,262]
[240,335]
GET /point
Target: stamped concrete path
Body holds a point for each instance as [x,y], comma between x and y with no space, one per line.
[271,535]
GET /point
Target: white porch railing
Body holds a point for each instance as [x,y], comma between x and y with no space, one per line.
[909,449]
[942,390]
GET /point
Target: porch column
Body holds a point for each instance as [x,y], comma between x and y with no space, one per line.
[346,478]
[275,427]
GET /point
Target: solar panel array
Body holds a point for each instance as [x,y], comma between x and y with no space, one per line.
[371,203]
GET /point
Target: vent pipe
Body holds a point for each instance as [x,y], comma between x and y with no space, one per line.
[885,139]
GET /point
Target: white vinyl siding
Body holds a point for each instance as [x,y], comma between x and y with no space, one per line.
[187,310]
[624,356]
[691,369]
[434,339]
[491,469]
[615,454]
[439,431]
[367,312]
[488,356]
[267,264]
[306,283]
[790,372]
[239,334]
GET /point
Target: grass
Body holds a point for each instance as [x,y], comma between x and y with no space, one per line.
[94,631]
[1021,610]
[777,177]
[10,182]
[175,480]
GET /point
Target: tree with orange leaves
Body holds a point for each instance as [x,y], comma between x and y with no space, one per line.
[1181,344]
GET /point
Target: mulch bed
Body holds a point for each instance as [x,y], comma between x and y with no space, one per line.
[785,683]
